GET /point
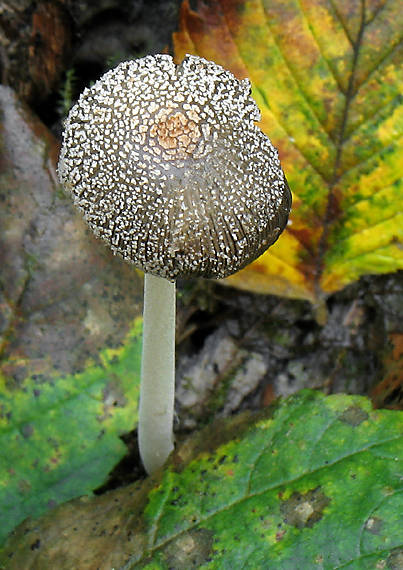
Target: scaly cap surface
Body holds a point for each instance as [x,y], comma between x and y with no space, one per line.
[169,168]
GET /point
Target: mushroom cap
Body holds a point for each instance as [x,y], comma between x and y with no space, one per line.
[168,167]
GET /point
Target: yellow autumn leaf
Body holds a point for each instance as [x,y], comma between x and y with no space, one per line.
[328,80]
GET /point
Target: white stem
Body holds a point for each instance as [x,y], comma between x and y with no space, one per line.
[157,389]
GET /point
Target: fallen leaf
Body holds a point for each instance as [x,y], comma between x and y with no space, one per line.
[328,80]
[316,483]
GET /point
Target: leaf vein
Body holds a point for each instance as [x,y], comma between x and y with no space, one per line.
[298,84]
[384,552]
[378,64]
[361,231]
[291,138]
[332,72]
[354,131]
[342,23]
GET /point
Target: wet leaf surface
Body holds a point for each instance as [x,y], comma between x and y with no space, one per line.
[327,77]
[69,352]
[313,483]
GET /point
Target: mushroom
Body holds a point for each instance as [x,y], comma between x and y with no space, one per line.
[167,166]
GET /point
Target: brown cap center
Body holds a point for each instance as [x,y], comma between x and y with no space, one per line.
[176,134]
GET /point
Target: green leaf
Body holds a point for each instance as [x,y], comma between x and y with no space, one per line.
[327,77]
[316,484]
[69,337]
[61,439]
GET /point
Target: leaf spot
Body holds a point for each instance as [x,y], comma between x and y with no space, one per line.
[36,544]
[304,510]
[27,430]
[113,397]
[373,525]
[354,416]
[190,550]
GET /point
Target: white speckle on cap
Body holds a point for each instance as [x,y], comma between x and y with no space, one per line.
[168,167]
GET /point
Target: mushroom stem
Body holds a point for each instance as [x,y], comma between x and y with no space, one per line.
[157,389]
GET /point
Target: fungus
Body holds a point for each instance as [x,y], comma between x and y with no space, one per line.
[167,166]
